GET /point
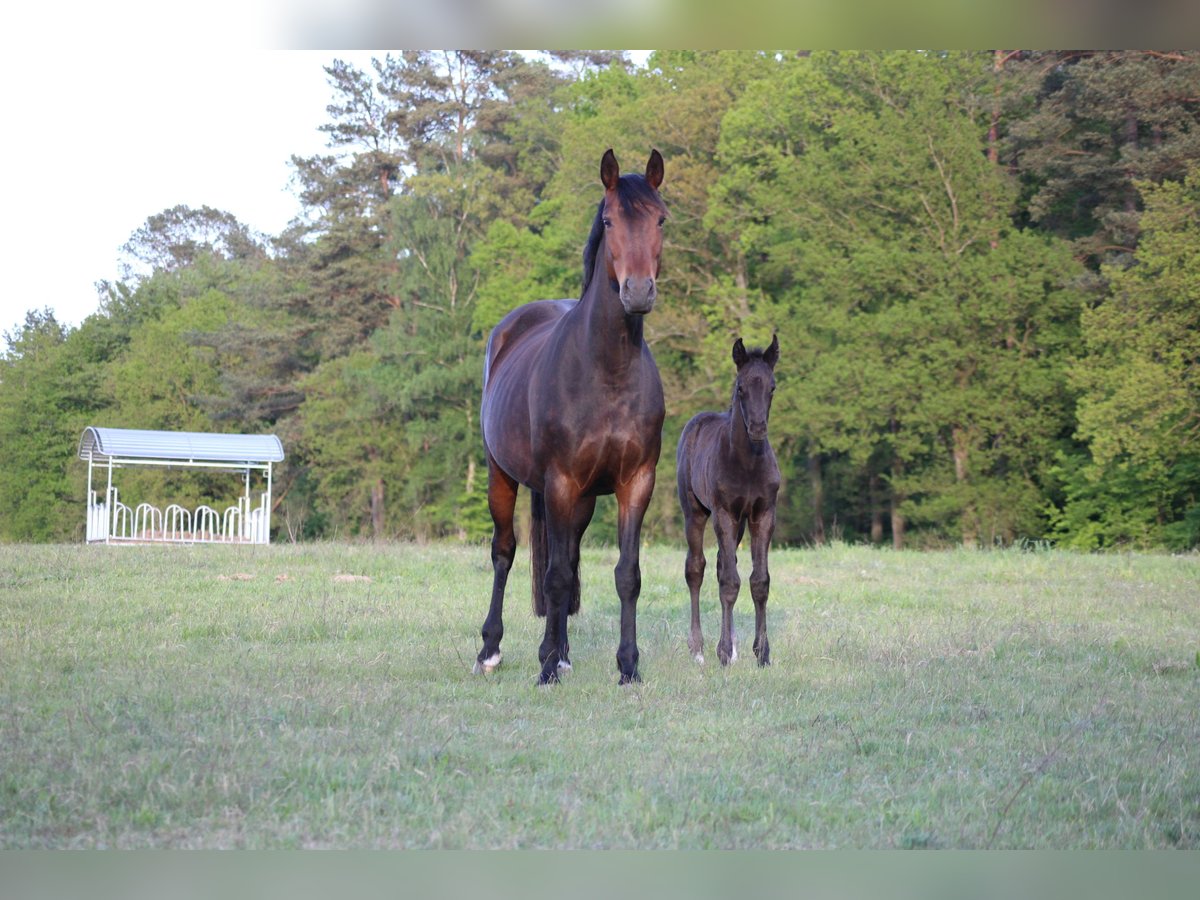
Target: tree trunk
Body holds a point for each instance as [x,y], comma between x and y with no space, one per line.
[817,486]
[376,500]
[897,498]
[377,509]
[876,503]
[897,522]
[961,451]
[993,136]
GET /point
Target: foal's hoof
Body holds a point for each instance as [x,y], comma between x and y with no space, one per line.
[635,678]
[486,666]
[698,657]
[549,677]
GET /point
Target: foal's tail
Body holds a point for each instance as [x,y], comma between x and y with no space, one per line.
[539,557]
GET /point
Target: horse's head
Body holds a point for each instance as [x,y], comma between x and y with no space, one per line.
[633,214]
[755,386]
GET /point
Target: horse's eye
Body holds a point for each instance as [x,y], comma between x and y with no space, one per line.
[607,222]
[661,219]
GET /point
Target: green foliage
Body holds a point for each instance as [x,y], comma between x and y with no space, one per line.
[1103,120]
[1121,505]
[981,267]
[1139,386]
[521,265]
[42,386]
[923,332]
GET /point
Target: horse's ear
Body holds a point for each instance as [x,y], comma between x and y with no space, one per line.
[771,354]
[654,169]
[740,357]
[609,170]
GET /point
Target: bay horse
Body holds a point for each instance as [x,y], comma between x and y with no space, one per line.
[727,470]
[573,408]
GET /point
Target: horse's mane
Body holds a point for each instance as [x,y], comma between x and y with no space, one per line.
[632,190]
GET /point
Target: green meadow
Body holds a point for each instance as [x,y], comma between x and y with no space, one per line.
[321,696]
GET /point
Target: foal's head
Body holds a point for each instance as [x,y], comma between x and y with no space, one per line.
[754,386]
[630,217]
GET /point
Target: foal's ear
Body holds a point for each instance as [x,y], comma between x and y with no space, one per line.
[609,170]
[771,354]
[654,169]
[740,357]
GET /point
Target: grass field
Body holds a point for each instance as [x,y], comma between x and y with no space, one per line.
[321,696]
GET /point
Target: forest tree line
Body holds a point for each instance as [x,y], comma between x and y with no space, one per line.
[983,269]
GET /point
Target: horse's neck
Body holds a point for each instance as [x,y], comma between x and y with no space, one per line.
[609,337]
[740,448]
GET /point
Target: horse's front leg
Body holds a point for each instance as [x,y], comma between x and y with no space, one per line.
[567,517]
[502,498]
[633,498]
[761,530]
[728,580]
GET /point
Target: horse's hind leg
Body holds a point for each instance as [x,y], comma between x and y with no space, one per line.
[502,499]
[567,516]
[696,517]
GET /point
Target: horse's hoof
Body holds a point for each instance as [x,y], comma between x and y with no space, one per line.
[564,666]
[629,679]
[698,657]
[486,666]
[550,677]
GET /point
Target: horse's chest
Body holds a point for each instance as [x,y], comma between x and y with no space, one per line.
[744,490]
[601,444]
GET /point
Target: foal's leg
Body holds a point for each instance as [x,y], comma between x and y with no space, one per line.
[695,518]
[632,499]
[761,529]
[728,531]
[502,498]
[567,516]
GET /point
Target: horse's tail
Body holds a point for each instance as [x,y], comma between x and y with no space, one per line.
[539,550]
[539,557]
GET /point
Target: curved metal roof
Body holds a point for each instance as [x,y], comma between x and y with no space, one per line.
[106,443]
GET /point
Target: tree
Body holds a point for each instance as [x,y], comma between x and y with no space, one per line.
[918,327]
[176,237]
[46,389]
[435,134]
[1101,121]
[1139,384]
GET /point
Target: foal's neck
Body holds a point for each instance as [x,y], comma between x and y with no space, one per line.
[741,448]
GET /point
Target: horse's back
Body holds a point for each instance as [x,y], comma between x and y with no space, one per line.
[525,322]
[697,444]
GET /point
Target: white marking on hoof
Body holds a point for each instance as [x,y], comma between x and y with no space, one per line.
[486,666]
[698,657]
[733,655]
[564,666]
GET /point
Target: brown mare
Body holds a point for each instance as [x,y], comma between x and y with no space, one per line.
[573,408]
[727,470]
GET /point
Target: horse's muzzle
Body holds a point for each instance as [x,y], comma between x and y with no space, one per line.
[638,295]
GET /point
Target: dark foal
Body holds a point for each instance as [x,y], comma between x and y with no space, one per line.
[727,470]
[573,408]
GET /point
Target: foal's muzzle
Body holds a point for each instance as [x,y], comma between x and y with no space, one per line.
[638,295]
